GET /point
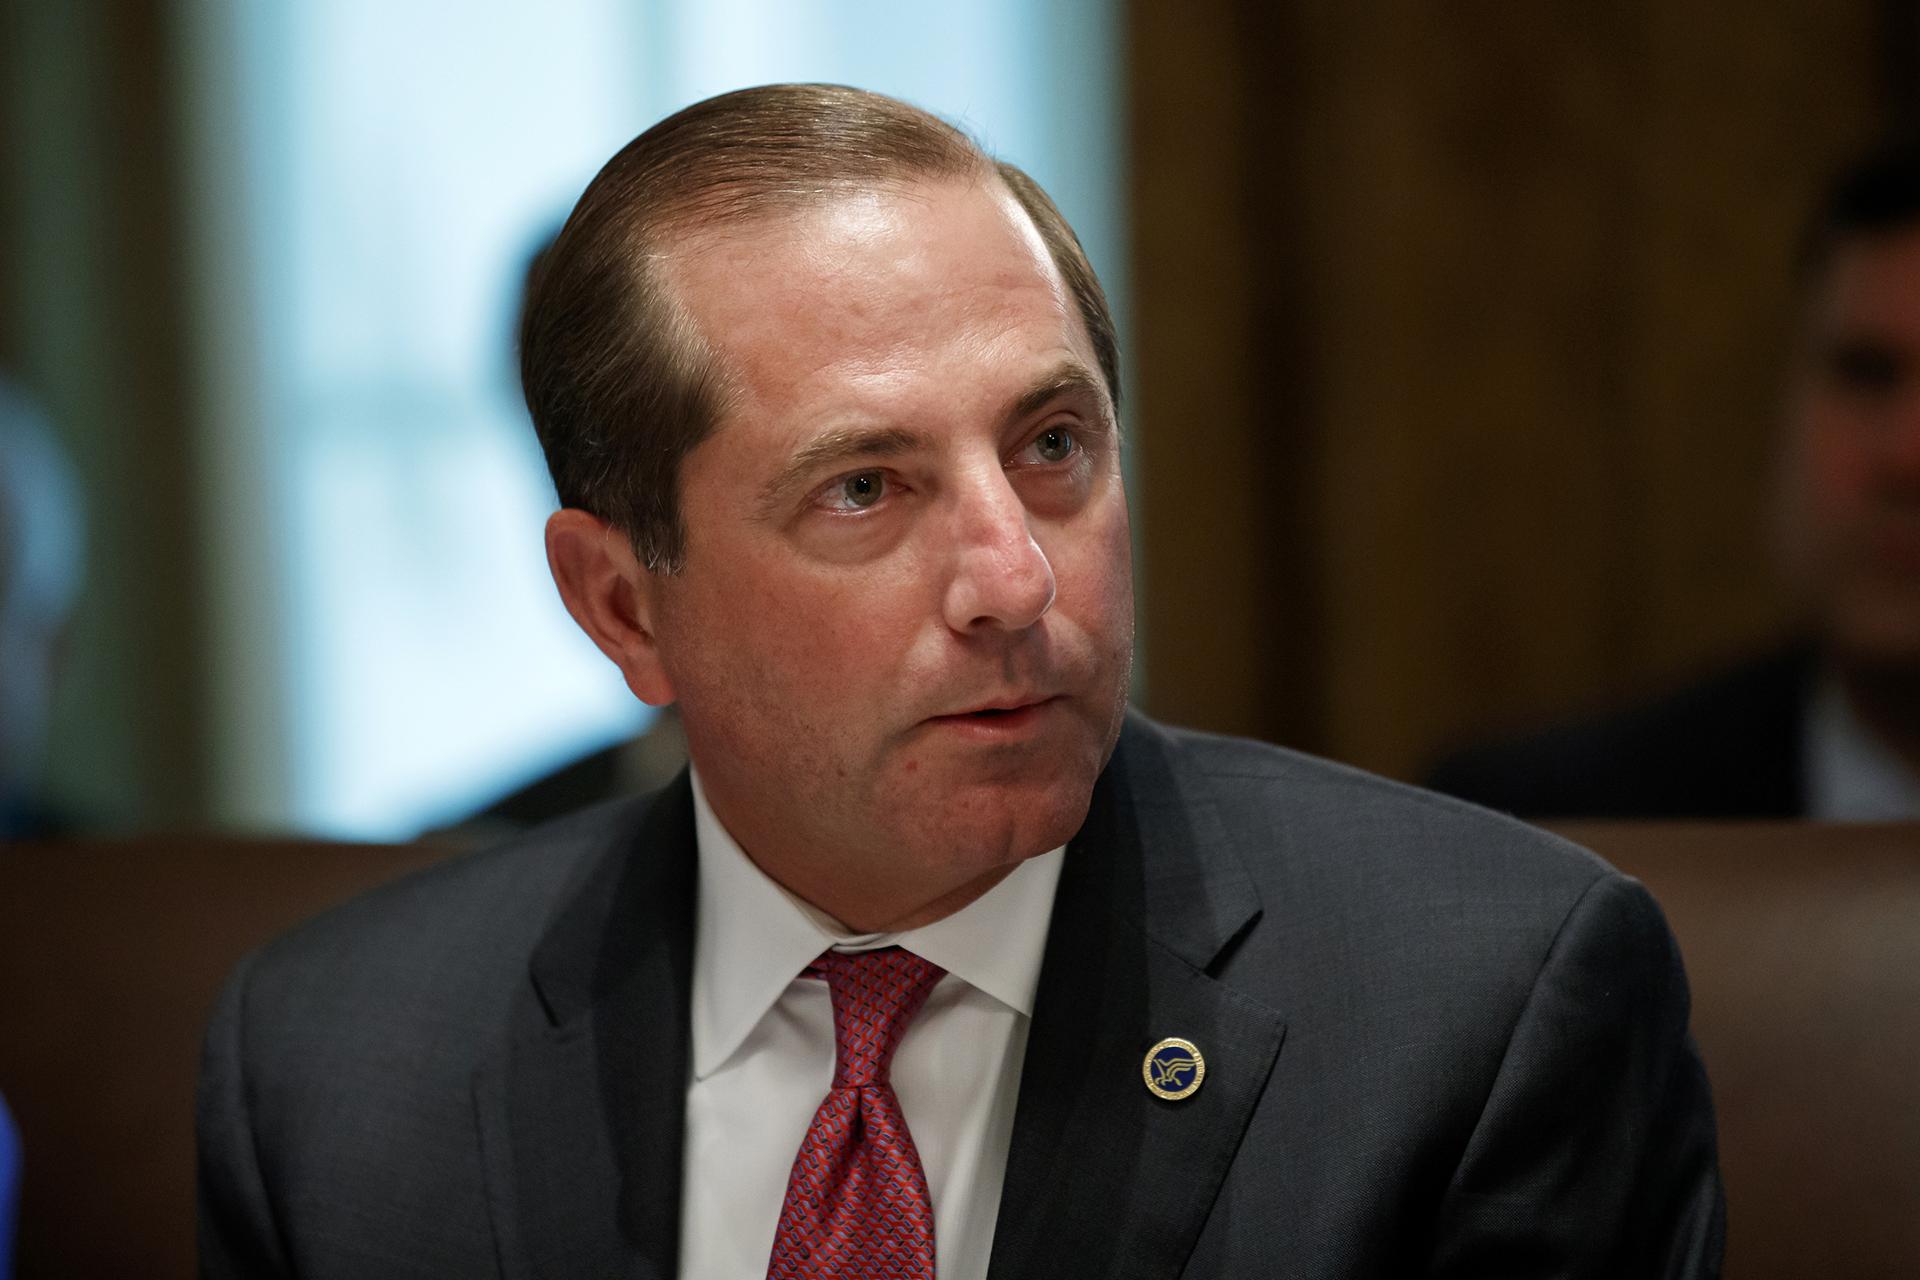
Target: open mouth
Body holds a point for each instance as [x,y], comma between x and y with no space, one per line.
[998,717]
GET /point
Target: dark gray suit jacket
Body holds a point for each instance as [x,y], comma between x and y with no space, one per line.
[1438,1043]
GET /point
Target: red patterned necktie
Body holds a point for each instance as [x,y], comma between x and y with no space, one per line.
[857,1204]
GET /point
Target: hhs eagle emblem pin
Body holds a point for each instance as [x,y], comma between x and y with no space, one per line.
[1174,1069]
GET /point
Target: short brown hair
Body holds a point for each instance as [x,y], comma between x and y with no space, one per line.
[620,387]
[1878,194]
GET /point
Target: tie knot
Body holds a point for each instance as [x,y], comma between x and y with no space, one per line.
[875,995]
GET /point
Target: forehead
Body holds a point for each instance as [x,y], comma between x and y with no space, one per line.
[865,291]
[1874,280]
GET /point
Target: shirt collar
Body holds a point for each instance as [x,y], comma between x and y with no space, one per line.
[752,938]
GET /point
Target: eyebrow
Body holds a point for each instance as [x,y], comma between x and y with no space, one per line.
[843,444]
[837,446]
[1070,377]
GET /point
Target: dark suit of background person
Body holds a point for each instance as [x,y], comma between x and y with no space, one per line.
[1828,725]
[1728,746]
[1436,1042]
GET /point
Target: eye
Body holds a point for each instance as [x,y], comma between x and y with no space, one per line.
[1866,367]
[860,491]
[1055,444]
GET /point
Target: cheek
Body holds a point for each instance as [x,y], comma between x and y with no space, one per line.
[1112,551]
[814,632]
[1834,464]
[1095,574]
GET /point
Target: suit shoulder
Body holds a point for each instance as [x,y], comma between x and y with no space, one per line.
[471,915]
[1421,900]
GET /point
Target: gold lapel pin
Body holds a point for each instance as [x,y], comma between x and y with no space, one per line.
[1173,1069]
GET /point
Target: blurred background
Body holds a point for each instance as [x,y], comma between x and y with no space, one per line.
[261,266]
[1458,339]
[1455,334]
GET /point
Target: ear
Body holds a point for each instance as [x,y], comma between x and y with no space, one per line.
[611,595]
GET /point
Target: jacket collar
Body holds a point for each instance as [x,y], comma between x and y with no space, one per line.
[581,1119]
[1104,1179]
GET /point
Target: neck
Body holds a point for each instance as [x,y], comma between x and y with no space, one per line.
[882,889]
[869,913]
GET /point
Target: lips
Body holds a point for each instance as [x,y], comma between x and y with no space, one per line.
[1002,720]
[999,707]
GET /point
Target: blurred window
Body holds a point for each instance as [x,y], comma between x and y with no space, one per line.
[405,161]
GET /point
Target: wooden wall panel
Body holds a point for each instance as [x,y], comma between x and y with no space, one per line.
[1512,288]
[94,288]
[1207,515]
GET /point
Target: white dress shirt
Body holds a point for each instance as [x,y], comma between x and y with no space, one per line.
[763,1054]
[1852,776]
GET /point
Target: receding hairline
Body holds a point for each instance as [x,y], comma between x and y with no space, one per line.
[737,155]
[717,215]
[735,204]
[672,238]
[620,383]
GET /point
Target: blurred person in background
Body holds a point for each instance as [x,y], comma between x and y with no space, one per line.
[9,1187]
[1827,726]
[41,557]
[645,762]
[40,566]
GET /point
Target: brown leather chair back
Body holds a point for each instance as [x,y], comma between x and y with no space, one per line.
[1802,943]
[111,954]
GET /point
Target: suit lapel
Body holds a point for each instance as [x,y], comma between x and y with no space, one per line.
[582,1117]
[1104,1179]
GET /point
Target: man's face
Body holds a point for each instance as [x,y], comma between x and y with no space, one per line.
[902,633]
[1852,468]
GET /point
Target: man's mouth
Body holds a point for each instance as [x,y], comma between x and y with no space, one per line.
[1004,715]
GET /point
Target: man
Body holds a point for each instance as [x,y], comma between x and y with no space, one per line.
[1827,726]
[937,960]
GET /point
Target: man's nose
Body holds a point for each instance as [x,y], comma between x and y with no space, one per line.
[1001,578]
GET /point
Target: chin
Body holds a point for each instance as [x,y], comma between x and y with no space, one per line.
[1878,632]
[1001,826]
